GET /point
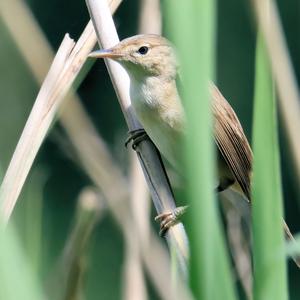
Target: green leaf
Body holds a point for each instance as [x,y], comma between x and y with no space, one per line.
[270,280]
[16,277]
[191,24]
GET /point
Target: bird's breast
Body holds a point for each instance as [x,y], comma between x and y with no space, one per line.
[161,116]
[158,108]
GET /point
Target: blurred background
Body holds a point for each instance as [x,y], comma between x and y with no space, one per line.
[45,215]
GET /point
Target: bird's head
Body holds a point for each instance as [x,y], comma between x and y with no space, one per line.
[143,55]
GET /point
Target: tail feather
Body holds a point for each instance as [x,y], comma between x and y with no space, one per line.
[289,237]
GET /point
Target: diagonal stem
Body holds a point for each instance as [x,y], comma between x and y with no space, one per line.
[151,164]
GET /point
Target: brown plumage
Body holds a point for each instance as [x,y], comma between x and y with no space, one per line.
[232,143]
[151,64]
[235,149]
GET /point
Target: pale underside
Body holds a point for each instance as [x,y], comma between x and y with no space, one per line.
[162,117]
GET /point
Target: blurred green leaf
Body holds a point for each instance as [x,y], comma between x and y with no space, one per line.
[270,280]
[192,26]
[16,277]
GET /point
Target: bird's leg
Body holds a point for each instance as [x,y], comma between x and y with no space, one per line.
[171,218]
[136,136]
[224,184]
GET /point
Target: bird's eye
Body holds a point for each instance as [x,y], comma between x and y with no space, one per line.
[143,50]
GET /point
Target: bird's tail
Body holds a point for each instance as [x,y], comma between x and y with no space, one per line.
[289,237]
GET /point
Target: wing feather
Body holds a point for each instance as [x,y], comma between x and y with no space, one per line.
[231,141]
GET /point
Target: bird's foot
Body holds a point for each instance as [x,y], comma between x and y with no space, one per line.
[136,136]
[169,219]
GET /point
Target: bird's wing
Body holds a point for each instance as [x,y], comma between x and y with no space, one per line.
[231,140]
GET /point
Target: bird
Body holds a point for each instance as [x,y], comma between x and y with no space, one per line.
[152,65]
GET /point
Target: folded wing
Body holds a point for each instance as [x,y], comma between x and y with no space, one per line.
[231,141]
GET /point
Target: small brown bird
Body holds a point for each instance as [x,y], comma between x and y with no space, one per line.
[152,67]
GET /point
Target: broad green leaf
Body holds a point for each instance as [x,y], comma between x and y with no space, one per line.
[16,277]
[191,24]
[269,258]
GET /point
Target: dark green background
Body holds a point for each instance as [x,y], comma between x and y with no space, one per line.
[63,179]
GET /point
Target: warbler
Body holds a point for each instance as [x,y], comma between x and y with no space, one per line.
[151,63]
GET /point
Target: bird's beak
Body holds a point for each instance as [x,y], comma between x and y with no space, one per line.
[105,53]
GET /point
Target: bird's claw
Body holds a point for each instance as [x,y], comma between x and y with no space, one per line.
[136,136]
[169,219]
